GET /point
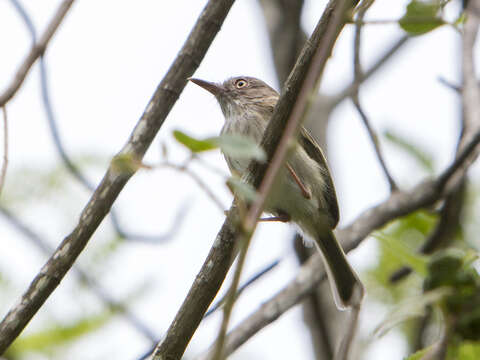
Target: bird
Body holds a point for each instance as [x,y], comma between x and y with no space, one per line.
[305,194]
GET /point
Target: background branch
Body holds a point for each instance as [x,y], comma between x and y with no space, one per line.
[36,51]
[3,171]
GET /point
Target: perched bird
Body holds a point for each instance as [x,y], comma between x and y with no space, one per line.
[305,193]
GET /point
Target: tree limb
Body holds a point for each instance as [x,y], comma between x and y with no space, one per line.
[166,94]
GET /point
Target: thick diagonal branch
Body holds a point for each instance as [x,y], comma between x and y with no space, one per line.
[166,94]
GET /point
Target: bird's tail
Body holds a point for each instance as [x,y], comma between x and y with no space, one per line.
[346,287]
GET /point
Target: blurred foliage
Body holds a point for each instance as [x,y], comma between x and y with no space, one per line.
[454,269]
[421,354]
[54,337]
[467,350]
[41,181]
[53,189]
[446,282]
[407,234]
[422,157]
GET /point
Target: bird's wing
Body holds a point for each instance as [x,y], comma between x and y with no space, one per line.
[313,150]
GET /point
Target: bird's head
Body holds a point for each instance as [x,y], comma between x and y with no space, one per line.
[240,94]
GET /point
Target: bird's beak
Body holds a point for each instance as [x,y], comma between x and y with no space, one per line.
[215,89]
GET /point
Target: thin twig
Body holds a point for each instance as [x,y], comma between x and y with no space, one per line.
[349,90]
[98,206]
[355,96]
[3,171]
[198,180]
[244,286]
[35,52]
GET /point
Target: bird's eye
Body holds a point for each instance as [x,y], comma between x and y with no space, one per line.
[240,83]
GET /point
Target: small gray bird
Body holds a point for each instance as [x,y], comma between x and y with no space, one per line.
[305,193]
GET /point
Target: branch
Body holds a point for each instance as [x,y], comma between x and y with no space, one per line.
[3,171]
[113,182]
[283,20]
[223,251]
[309,276]
[92,284]
[35,52]
[355,96]
[382,60]
[316,314]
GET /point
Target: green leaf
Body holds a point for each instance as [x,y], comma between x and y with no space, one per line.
[412,307]
[469,350]
[420,354]
[195,145]
[421,156]
[239,147]
[46,340]
[421,17]
[403,253]
[242,189]
[235,146]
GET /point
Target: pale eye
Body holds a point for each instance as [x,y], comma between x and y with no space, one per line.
[240,83]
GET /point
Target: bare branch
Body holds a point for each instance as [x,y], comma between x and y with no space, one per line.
[3,171]
[283,20]
[316,314]
[358,76]
[166,94]
[346,345]
[35,52]
[382,60]
[244,286]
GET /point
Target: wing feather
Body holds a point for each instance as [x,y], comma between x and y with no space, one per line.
[315,152]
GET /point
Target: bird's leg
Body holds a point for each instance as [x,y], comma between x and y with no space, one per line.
[305,192]
[282,217]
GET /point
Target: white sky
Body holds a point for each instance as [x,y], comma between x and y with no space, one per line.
[104,64]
